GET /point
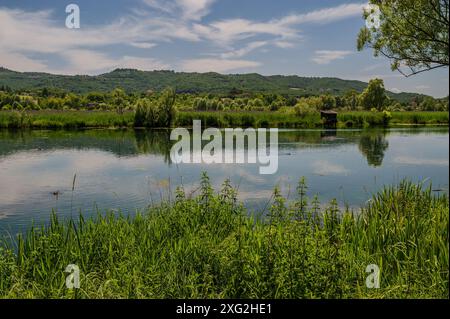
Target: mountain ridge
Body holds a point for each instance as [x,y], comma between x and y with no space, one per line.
[133,80]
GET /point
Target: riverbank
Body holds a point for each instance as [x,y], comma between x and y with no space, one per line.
[209,246]
[98,119]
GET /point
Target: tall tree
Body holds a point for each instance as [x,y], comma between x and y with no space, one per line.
[167,107]
[374,95]
[413,34]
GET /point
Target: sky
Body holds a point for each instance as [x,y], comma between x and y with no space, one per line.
[289,37]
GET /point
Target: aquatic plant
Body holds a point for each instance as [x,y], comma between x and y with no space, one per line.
[210,246]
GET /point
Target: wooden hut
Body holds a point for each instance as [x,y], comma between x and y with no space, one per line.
[329,118]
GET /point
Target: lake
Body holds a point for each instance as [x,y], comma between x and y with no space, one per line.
[127,170]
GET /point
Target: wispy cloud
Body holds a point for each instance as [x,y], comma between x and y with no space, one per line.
[186,9]
[327,56]
[245,50]
[284,44]
[91,62]
[325,15]
[143,45]
[35,39]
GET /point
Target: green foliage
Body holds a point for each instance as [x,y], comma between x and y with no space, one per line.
[64,120]
[413,34]
[328,102]
[210,246]
[374,95]
[167,107]
[304,109]
[134,82]
[379,119]
[156,114]
[146,116]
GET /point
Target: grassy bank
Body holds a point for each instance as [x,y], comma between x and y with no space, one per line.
[98,119]
[210,247]
[64,119]
[371,119]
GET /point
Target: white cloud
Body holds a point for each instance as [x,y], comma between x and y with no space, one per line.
[21,63]
[90,62]
[237,29]
[35,33]
[226,32]
[30,41]
[327,56]
[217,65]
[143,45]
[164,6]
[245,50]
[326,15]
[195,9]
[284,44]
[186,9]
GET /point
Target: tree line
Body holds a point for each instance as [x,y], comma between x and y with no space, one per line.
[374,98]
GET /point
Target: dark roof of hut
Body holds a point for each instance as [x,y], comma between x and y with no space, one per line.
[329,112]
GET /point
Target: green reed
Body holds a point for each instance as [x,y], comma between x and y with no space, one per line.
[210,246]
[264,119]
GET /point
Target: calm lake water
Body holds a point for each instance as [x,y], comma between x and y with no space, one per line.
[128,170]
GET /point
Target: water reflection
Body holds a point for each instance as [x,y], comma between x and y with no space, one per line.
[372,144]
[128,170]
[153,142]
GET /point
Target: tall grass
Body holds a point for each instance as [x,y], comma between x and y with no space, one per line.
[65,119]
[420,117]
[209,246]
[86,119]
[376,119]
[249,119]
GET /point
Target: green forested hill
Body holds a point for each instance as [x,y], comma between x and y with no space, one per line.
[139,81]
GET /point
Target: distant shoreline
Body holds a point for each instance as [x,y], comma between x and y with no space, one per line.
[109,119]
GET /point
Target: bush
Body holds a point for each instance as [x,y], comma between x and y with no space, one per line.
[303,109]
[146,114]
[151,114]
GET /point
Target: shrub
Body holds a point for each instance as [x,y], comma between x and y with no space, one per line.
[303,109]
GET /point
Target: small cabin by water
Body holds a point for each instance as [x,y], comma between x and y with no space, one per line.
[329,117]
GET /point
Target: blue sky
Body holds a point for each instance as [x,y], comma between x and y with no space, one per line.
[306,38]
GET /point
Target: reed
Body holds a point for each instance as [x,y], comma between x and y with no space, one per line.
[65,119]
[210,246]
[376,119]
[263,119]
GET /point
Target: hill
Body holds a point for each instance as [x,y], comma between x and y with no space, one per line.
[139,81]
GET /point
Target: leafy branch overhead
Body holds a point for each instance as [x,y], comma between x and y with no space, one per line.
[413,34]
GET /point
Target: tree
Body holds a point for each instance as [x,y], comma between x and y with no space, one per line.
[328,102]
[413,34]
[351,99]
[146,113]
[167,107]
[428,104]
[303,109]
[119,100]
[374,95]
